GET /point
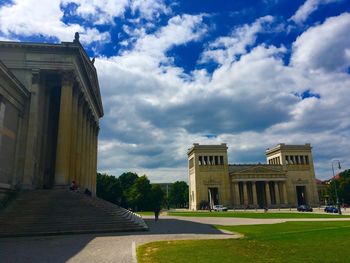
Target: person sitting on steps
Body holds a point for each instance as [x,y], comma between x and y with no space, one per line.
[73,186]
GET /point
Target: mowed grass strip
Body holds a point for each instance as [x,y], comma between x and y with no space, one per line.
[257,215]
[146,213]
[285,242]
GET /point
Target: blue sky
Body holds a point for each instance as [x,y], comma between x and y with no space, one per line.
[248,73]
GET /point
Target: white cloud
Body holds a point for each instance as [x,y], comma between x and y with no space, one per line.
[149,9]
[41,17]
[307,8]
[324,47]
[149,49]
[156,111]
[99,11]
[224,49]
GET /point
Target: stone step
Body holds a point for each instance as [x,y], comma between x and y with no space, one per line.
[59,211]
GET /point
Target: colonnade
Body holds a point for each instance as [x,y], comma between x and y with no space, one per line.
[76,152]
[270,193]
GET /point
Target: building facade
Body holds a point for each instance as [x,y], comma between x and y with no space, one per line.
[50,106]
[287,180]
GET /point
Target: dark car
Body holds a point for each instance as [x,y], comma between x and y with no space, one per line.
[304,208]
[331,209]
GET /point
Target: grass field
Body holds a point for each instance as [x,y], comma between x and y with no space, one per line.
[256,214]
[285,242]
[146,213]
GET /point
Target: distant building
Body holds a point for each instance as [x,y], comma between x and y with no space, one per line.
[50,106]
[323,189]
[287,180]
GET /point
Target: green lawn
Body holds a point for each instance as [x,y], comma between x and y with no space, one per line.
[285,242]
[146,213]
[256,214]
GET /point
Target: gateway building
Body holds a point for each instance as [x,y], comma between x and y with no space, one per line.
[286,180]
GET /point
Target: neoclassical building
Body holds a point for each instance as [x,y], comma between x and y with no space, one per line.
[286,180]
[50,106]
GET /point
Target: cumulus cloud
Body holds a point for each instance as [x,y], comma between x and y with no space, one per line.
[99,11]
[225,49]
[149,9]
[46,18]
[40,17]
[308,8]
[156,111]
[150,49]
[324,47]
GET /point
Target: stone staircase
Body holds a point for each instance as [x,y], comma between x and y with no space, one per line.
[59,211]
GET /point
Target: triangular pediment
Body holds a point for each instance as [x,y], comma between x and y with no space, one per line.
[257,169]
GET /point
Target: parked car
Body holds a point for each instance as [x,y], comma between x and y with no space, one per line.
[331,209]
[219,208]
[304,208]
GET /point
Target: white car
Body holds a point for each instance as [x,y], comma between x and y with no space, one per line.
[219,208]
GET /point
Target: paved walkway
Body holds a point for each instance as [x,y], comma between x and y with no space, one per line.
[116,247]
[121,247]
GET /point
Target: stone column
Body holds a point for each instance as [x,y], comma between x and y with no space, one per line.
[236,194]
[79,140]
[95,156]
[245,194]
[268,196]
[277,193]
[64,132]
[87,153]
[84,149]
[30,163]
[90,166]
[92,156]
[285,197]
[255,199]
[74,137]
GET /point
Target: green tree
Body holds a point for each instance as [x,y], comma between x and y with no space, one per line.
[138,195]
[108,188]
[126,179]
[342,184]
[157,197]
[178,196]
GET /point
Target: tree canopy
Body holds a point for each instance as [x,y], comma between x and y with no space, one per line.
[130,191]
[178,196]
[342,184]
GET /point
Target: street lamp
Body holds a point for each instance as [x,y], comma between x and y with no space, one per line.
[335,185]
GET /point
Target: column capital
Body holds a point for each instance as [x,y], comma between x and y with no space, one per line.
[68,77]
[35,76]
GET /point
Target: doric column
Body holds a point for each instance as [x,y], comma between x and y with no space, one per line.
[79,140]
[95,158]
[84,147]
[285,197]
[90,153]
[245,193]
[74,137]
[30,164]
[268,196]
[236,194]
[92,156]
[64,131]
[277,193]
[255,200]
[93,179]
